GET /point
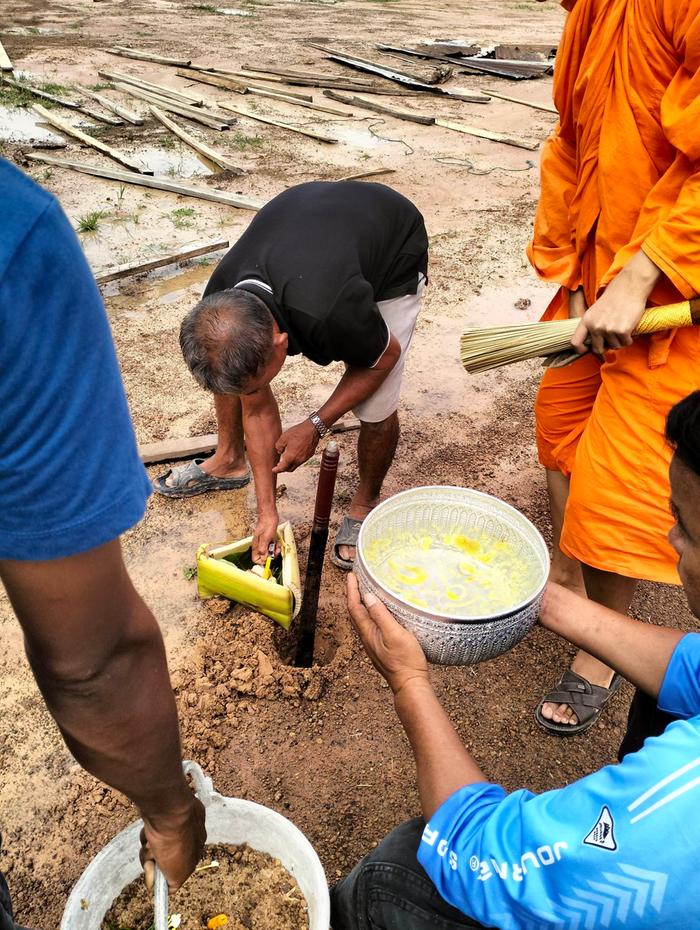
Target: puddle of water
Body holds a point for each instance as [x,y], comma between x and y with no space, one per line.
[178,162]
[167,290]
[18,124]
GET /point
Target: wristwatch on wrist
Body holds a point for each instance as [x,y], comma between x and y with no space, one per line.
[321,427]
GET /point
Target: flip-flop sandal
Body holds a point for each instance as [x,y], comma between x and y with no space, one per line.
[190,479]
[347,536]
[586,700]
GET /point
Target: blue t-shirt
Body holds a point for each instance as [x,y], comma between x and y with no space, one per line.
[70,475]
[617,849]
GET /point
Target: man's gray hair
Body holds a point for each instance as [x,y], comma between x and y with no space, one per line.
[226,340]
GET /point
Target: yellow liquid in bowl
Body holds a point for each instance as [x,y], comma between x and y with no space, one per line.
[452,574]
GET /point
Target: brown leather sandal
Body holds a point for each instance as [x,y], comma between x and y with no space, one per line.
[586,700]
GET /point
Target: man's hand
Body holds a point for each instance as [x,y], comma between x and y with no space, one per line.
[295,446]
[175,843]
[265,533]
[610,322]
[394,652]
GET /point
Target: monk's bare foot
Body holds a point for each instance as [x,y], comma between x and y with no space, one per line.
[358,512]
[594,672]
[220,466]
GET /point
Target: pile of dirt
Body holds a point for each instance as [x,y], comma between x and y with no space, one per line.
[242,656]
[250,889]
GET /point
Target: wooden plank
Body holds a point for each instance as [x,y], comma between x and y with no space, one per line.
[209,153]
[274,122]
[205,117]
[376,107]
[108,104]
[132,268]
[179,96]
[83,137]
[240,88]
[61,101]
[172,450]
[367,174]
[5,63]
[339,83]
[161,184]
[283,98]
[283,73]
[125,52]
[487,134]
[215,80]
[526,103]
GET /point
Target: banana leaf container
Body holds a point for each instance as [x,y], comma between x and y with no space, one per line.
[223,571]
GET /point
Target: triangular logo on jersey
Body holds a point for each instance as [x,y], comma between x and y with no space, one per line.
[603,833]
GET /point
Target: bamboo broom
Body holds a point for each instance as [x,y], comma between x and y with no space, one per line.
[495,346]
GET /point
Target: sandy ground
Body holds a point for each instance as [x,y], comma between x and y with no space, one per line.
[322,746]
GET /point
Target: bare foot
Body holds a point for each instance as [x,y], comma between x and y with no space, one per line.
[594,672]
[357,512]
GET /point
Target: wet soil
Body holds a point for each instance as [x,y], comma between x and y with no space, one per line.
[321,745]
[243,888]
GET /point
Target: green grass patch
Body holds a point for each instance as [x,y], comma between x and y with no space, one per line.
[91,221]
[240,140]
[203,7]
[15,96]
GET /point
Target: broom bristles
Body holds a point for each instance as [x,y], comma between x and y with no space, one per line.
[483,349]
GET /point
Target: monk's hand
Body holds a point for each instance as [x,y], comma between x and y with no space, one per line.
[395,653]
[611,321]
[295,446]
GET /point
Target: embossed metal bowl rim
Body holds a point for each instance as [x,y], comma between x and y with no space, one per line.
[468,493]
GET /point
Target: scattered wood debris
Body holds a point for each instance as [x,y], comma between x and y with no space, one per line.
[487,134]
[547,108]
[275,122]
[179,96]
[162,184]
[399,77]
[367,174]
[61,101]
[208,118]
[148,56]
[377,107]
[174,258]
[108,104]
[83,137]
[200,147]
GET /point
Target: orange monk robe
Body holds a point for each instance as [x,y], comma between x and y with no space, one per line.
[621,173]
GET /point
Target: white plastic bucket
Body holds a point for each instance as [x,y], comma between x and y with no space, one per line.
[229,820]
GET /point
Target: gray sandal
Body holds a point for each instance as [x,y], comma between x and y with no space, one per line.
[190,479]
[347,536]
[586,700]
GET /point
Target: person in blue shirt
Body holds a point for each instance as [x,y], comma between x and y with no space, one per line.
[70,483]
[619,848]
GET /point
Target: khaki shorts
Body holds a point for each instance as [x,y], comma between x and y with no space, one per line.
[400,316]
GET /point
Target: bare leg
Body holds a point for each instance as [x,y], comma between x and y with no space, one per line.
[611,590]
[229,459]
[563,570]
[375,453]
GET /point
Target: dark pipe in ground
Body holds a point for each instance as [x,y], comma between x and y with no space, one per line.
[317,551]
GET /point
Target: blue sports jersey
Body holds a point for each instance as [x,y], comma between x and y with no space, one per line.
[619,848]
[70,475]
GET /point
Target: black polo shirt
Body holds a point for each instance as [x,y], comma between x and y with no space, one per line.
[324,254]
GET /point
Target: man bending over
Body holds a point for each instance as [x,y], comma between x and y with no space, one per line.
[334,271]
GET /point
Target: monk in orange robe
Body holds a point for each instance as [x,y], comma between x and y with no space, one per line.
[618,228]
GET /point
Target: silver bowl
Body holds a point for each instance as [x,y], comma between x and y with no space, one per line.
[454,640]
